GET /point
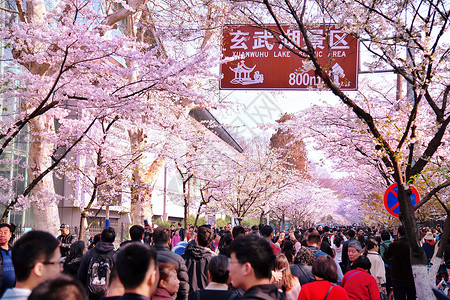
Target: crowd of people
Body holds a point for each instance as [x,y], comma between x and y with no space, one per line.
[204,263]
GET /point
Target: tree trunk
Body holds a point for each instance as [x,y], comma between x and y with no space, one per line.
[417,254]
[141,205]
[261,217]
[47,218]
[185,196]
[82,231]
[186,204]
[39,159]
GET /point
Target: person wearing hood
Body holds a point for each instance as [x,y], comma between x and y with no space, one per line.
[197,256]
[104,248]
[428,245]
[251,263]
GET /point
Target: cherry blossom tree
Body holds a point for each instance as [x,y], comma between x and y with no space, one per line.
[248,183]
[402,138]
[81,53]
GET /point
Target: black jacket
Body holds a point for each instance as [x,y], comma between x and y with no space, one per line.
[213,295]
[303,273]
[181,233]
[101,248]
[71,267]
[165,255]
[263,292]
[66,242]
[401,270]
[130,296]
[197,259]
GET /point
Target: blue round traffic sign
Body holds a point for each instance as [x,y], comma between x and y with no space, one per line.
[391,200]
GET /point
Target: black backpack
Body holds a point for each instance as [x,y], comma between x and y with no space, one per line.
[98,278]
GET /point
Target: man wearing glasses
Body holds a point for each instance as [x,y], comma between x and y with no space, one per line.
[250,267]
[36,258]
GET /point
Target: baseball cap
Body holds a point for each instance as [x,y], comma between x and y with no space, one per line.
[64,226]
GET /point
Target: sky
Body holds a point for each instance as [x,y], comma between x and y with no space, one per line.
[255,108]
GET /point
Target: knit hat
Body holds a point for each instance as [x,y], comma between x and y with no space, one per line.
[429,236]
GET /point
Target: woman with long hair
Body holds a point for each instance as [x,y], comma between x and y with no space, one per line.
[284,278]
[73,259]
[289,251]
[337,246]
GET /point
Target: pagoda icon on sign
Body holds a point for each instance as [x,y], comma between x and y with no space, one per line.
[337,72]
[242,75]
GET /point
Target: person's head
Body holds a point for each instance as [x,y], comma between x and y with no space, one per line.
[65,229]
[62,288]
[179,225]
[108,235]
[216,238]
[351,233]
[218,269]
[288,250]
[36,257]
[314,239]
[5,234]
[97,238]
[237,230]
[325,247]
[204,236]
[362,262]
[161,235]
[372,245]
[429,236]
[305,256]
[225,240]
[76,250]
[385,236]
[251,260]
[137,233]
[360,231]
[282,265]
[136,267]
[354,250]
[267,231]
[255,228]
[281,262]
[337,241]
[228,227]
[325,268]
[168,279]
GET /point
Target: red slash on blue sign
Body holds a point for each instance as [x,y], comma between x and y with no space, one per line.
[391,200]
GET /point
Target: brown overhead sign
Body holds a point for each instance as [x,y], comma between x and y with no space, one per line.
[260,62]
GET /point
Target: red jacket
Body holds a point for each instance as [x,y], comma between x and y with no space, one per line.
[360,285]
[317,290]
[275,248]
